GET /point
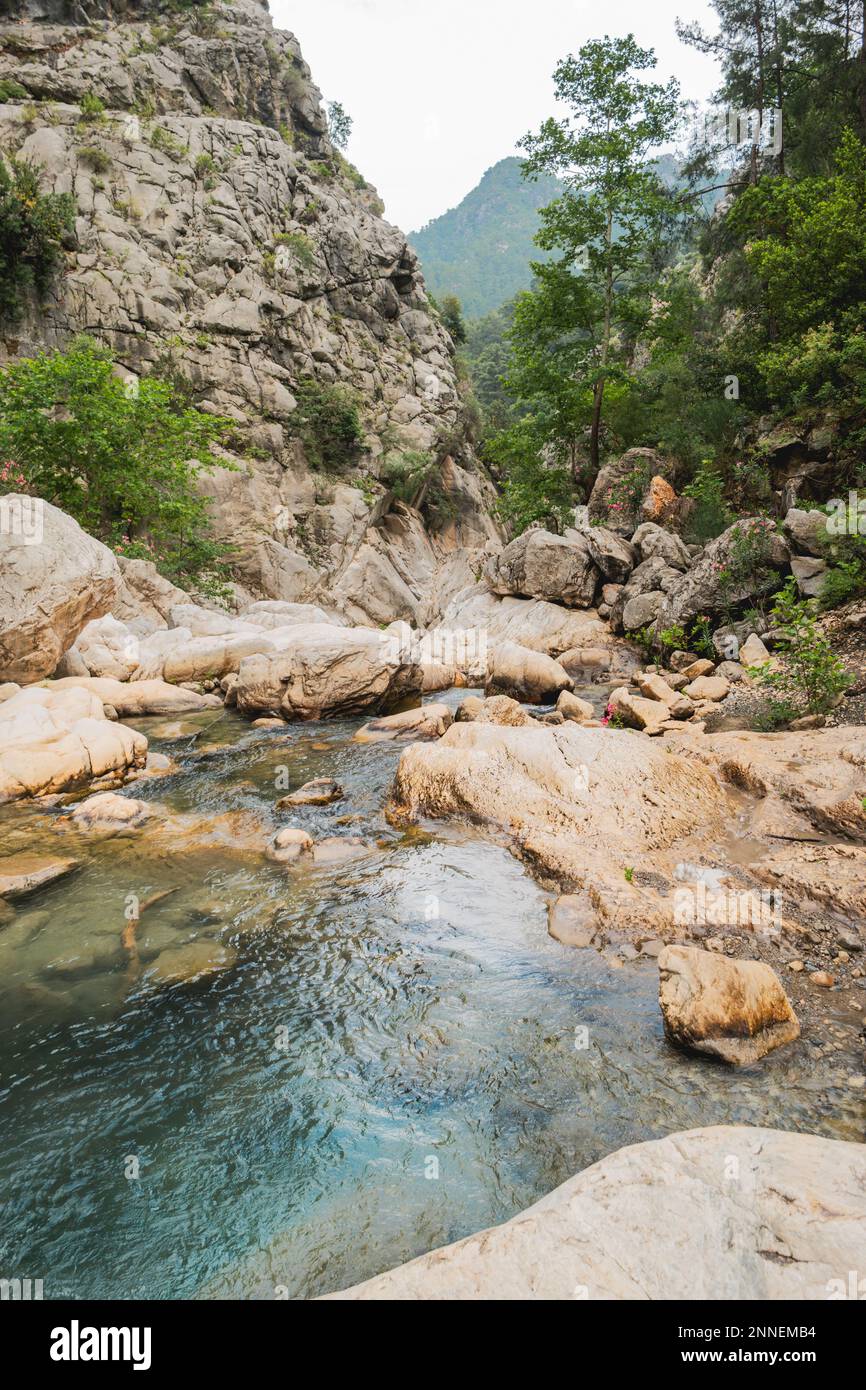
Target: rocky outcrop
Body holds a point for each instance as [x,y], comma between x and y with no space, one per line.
[429,721]
[722,1213]
[54,579]
[735,1010]
[631,489]
[220,237]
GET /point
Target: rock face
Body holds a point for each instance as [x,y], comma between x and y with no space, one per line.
[540,565]
[327,671]
[221,235]
[736,1010]
[54,579]
[720,1213]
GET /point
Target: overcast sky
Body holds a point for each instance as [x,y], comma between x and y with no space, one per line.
[441,89]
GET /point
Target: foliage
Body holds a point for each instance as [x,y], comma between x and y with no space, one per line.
[92,107]
[10,90]
[451,313]
[710,516]
[95,158]
[328,425]
[339,125]
[123,463]
[808,677]
[31,227]
[406,474]
[535,487]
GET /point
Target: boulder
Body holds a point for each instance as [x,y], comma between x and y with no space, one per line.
[320,792]
[735,1010]
[613,556]
[54,579]
[428,721]
[497,709]
[640,611]
[288,845]
[701,667]
[665,1220]
[623,494]
[809,574]
[637,712]
[525,675]
[131,701]
[572,707]
[326,672]
[651,578]
[540,565]
[54,739]
[654,542]
[108,811]
[806,530]
[657,688]
[699,591]
[707,688]
[572,919]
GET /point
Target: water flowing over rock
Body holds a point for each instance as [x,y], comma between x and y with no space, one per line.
[54,579]
[664,1220]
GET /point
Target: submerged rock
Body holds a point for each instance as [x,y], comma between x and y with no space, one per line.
[727,1212]
[289,844]
[185,964]
[736,1010]
[320,792]
[22,874]
[108,811]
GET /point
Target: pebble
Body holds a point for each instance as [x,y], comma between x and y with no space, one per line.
[823,979]
[857,1082]
[796,966]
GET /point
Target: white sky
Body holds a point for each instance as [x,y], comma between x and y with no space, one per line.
[440,90]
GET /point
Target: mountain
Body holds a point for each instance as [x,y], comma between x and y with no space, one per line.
[481,249]
[220,236]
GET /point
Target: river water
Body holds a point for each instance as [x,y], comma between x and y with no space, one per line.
[394,1054]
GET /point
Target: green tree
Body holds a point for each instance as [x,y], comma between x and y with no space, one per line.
[122,461]
[340,125]
[32,225]
[615,211]
[451,313]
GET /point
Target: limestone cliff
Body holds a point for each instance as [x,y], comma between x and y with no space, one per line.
[219,235]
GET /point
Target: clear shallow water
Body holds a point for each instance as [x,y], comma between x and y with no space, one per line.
[389,1063]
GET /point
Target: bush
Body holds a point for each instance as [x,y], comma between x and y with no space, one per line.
[808,677]
[95,158]
[328,425]
[10,90]
[92,107]
[31,227]
[710,516]
[407,474]
[123,463]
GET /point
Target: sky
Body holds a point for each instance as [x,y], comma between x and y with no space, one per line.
[439,90]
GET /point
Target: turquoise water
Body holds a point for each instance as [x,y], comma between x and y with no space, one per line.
[387,1063]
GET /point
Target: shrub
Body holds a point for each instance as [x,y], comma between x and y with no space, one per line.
[123,463]
[162,139]
[10,90]
[300,246]
[95,158]
[846,574]
[808,676]
[327,424]
[407,474]
[31,227]
[710,516]
[92,107]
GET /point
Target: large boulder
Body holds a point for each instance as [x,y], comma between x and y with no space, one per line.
[700,591]
[54,579]
[651,581]
[627,491]
[525,675]
[655,542]
[580,802]
[540,565]
[728,1212]
[806,530]
[324,671]
[55,739]
[735,1010]
[613,556]
[139,698]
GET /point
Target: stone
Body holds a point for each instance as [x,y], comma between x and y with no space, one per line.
[701,667]
[732,672]
[497,709]
[320,792]
[806,530]
[638,1225]
[657,688]
[572,920]
[428,721]
[338,849]
[736,1010]
[54,739]
[809,574]
[140,698]
[190,963]
[525,675]
[54,579]
[23,874]
[643,609]
[753,651]
[713,688]
[612,555]
[326,672]
[822,978]
[653,541]
[288,845]
[108,811]
[698,591]
[629,490]
[541,565]
[637,712]
[572,707]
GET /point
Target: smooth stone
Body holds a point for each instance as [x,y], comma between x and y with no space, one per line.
[21,874]
[320,792]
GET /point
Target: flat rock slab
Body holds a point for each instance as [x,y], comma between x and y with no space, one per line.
[722,1213]
[21,874]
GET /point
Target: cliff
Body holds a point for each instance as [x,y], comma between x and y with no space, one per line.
[220,237]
